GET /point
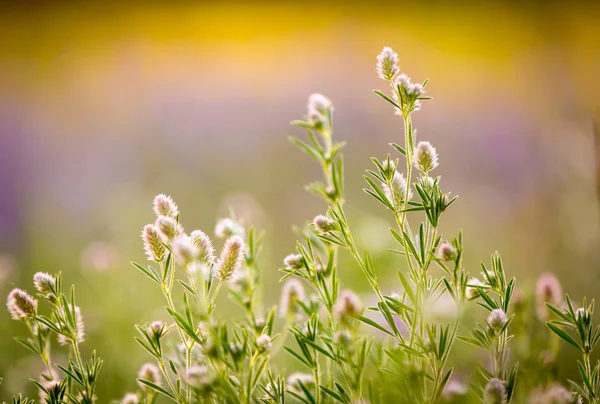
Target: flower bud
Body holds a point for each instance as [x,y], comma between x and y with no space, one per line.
[153,245]
[231,259]
[163,205]
[45,284]
[471,290]
[263,342]
[425,157]
[494,392]
[158,329]
[293,261]
[324,224]
[497,319]
[387,62]
[397,193]
[446,252]
[21,305]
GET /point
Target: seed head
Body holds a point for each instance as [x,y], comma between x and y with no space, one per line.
[149,372]
[130,398]
[153,245]
[228,227]
[184,250]
[348,306]
[80,329]
[45,284]
[494,392]
[547,290]
[446,252]
[231,259]
[396,194]
[263,342]
[497,319]
[167,227]
[425,157]
[324,224]
[293,261]
[291,292]
[205,247]
[387,62]
[163,205]
[21,305]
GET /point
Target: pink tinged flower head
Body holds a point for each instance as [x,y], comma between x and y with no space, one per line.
[446,252]
[185,250]
[425,157]
[324,223]
[293,261]
[471,290]
[153,244]
[149,372]
[263,342]
[494,392]
[397,192]
[79,329]
[348,305]
[45,284]
[415,90]
[319,108]
[291,292]
[497,319]
[547,290]
[21,305]
[387,64]
[296,380]
[199,377]
[231,259]
[163,205]
[228,227]
[130,398]
[205,247]
[167,227]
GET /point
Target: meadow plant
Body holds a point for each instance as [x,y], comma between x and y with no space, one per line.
[336,346]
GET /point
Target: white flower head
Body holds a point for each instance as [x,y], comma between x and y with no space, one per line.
[231,259]
[149,372]
[228,227]
[497,319]
[167,228]
[153,244]
[397,193]
[425,157]
[21,305]
[163,205]
[185,250]
[387,64]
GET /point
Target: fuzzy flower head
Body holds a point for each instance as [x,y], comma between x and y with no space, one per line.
[158,329]
[497,319]
[130,398]
[21,305]
[494,392]
[319,108]
[228,227]
[206,251]
[425,157]
[472,287]
[293,261]
[547,290]
[167,227]
[446,252]
[295,380]
[64,339]
[185,250]
[291,292]
[45,284]
[231,259]
[263,342]
[199,377]
[163,205]
[149,372]
[397,192]
[153,245]
[348,306]
[324,224]
[387,64]
[407,94]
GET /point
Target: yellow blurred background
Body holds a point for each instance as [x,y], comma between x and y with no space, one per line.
[102,106]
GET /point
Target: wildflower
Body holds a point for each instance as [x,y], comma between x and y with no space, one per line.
[199,377]
[64,339]
[389,166]
[130,398]
[163,205]
[149,372]
[153,246]
[497,319]
[291,292]
[158,329]
[387,62]
[228,227]
[454,388]
[184,250]
[206,251]
[348,305]
[547,290]
[398,191]
[446,252]
[324,224]
[297,379]
[263,342]
[45,284]
[21,305]
[319,108]
[293,261]
[231,259]
[494,392]
[51,388]
[406,94]
[472,286]
[343,338]
[167,227]
[425,157]
[415,90]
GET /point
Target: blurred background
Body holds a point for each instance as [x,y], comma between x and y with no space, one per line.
[104,106]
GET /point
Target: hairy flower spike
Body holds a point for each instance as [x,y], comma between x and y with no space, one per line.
[228,227]
[446,252]
[425,157]
[149,372]
[205,247]
[80,329]
[168,228]
[153,245]
[497,319]
[387,62]
[324,224]
[45,284]
[397,192]
[184,250]
[291,292]
[494,392]
[21,305]
[231,259]
[163,205]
